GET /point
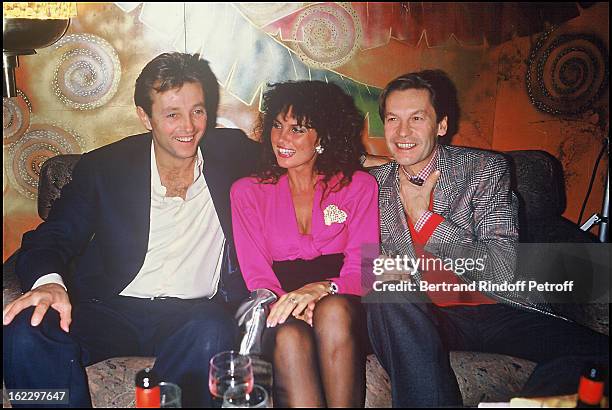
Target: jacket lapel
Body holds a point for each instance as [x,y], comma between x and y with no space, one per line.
[138,177]
[395,235]
[219,183]
[131,187]
[445,190]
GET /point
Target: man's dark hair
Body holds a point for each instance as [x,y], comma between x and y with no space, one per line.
[326,108]
[442,93]
[171,70]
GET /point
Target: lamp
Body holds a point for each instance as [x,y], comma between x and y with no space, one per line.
[26,27]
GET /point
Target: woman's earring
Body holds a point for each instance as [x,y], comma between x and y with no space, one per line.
[319,149]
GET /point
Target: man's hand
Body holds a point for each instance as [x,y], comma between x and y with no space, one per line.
[375,160]
[45,296]
[299,303]
[415,199]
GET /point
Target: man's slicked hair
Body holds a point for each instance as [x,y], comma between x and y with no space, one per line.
[434,81]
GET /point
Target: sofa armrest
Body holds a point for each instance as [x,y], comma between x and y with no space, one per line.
[11,289]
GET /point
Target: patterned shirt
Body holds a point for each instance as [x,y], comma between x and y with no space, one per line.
[422,176]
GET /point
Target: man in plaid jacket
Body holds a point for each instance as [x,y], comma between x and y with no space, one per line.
[454,205]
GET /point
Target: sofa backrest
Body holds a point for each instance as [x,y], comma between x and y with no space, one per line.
[537,179]
[54,174]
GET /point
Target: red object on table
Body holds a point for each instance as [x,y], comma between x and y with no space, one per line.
[147,389]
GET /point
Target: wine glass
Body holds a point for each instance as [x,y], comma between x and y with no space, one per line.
[239,397]
[229,369]
[169,395]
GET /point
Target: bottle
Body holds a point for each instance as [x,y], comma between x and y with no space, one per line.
[147,389]
[591,387]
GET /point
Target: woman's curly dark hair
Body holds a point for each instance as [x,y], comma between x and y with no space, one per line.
[324,107]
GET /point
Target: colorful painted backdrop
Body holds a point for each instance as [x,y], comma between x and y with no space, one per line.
[528,76]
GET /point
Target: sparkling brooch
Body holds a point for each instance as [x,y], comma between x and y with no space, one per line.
[333,214]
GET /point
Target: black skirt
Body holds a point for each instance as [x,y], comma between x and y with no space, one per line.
[294,274]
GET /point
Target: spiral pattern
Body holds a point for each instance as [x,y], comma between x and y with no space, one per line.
[567,73]
[39,143]
[327,35]
[15,117]
[88,72]
[4,176]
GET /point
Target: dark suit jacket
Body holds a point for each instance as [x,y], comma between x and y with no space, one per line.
[102,216]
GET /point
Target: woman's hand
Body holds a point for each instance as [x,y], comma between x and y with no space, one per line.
[375,160]
[299,303]
[308,313]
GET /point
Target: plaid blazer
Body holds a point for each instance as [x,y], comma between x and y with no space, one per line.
[480,213]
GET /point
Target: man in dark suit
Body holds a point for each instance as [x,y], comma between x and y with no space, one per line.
[452,204]
[148,220]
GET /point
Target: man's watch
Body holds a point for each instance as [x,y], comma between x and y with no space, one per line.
[333,288]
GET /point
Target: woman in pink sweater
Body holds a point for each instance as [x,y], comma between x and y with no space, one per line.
[299,227]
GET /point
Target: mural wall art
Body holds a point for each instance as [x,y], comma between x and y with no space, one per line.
[528,76]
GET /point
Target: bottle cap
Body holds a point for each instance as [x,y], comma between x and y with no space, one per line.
[147,389]
[591,387]
[146,379]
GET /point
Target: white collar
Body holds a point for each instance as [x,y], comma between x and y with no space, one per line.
[156,184]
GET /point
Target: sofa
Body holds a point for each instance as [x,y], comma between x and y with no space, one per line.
[538,182]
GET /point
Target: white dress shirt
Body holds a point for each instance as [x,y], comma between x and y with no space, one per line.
[185,248]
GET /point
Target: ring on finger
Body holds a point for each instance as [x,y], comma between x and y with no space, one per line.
[293,300]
